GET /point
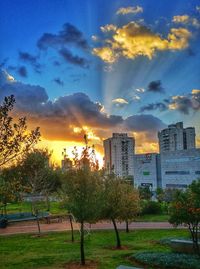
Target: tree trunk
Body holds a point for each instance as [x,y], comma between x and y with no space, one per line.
[38,225]
[72,228]
[47,202]
[116,233]
[127,226]
[194,234]
[82,244]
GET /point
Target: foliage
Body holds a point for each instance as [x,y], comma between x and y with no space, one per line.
[185,209]
[11,188]
[151,207]
[145,193]
[169,260]
[15,140]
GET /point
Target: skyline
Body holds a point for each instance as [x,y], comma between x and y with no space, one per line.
[98,67]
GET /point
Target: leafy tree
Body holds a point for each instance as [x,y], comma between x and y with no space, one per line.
[81,190]
[130,206]
[118,197]
[83,199]
[185,209]
[160,195]
[15,140]
[145,193]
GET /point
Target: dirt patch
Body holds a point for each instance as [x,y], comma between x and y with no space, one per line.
[116,248]
[77,265]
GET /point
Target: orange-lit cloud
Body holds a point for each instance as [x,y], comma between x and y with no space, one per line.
[186,20]
[133,40]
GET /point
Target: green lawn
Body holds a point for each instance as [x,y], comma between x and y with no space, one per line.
[56,208]
[55,249]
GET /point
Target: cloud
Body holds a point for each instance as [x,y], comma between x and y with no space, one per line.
[28,97]
[22,71]
[143,123]
[73,59]
[186,20]
[70,113]
[30,59]
[119,102]
[182,103]
[129,10]
[58,81]
[133,40]
[68,35]
[3,63]
[155,86]
[154,106]
[198,9]
[108,28]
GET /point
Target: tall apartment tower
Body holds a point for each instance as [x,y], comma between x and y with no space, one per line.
[175,137]
[119,151]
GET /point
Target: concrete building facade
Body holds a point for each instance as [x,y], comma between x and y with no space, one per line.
[175,137]
[146,172]
[179,168]
[118,154]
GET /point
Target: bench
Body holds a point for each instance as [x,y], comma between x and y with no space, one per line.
[24,216]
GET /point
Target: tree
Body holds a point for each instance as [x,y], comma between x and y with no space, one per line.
[11,187]
[145,192]
[39,178]
[119,200]
[185,209]
[15,140]
[82,189]
[130,206]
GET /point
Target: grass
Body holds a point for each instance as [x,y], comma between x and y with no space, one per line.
[56,208]
[55,249]
[26,207]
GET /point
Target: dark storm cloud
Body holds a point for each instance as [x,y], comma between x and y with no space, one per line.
[73,59]
[68,35]
[22,71]
[154,106]
[30,59]
[155,86]
[59,81]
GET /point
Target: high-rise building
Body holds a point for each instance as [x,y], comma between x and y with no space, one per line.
[175,137]
[119,151]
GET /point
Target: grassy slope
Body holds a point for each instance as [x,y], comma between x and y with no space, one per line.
[52,250]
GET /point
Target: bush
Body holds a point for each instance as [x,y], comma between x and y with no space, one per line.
[151,207]
[169,260]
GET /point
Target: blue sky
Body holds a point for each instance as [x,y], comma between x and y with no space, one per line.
[59,45]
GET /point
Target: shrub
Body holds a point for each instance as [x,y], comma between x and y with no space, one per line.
[169,260]
[151,207]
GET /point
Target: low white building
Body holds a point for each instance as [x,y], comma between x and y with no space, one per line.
[179,168]
[146,170]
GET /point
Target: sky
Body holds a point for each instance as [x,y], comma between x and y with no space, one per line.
[98,67]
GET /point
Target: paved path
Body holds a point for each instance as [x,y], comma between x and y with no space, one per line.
[31,227]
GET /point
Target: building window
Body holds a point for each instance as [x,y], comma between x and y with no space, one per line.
[177,172]
[197,172]
[146,173]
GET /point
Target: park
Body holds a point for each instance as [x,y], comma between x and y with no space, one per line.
[84,217]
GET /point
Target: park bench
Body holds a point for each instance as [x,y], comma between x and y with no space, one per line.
[24,216]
